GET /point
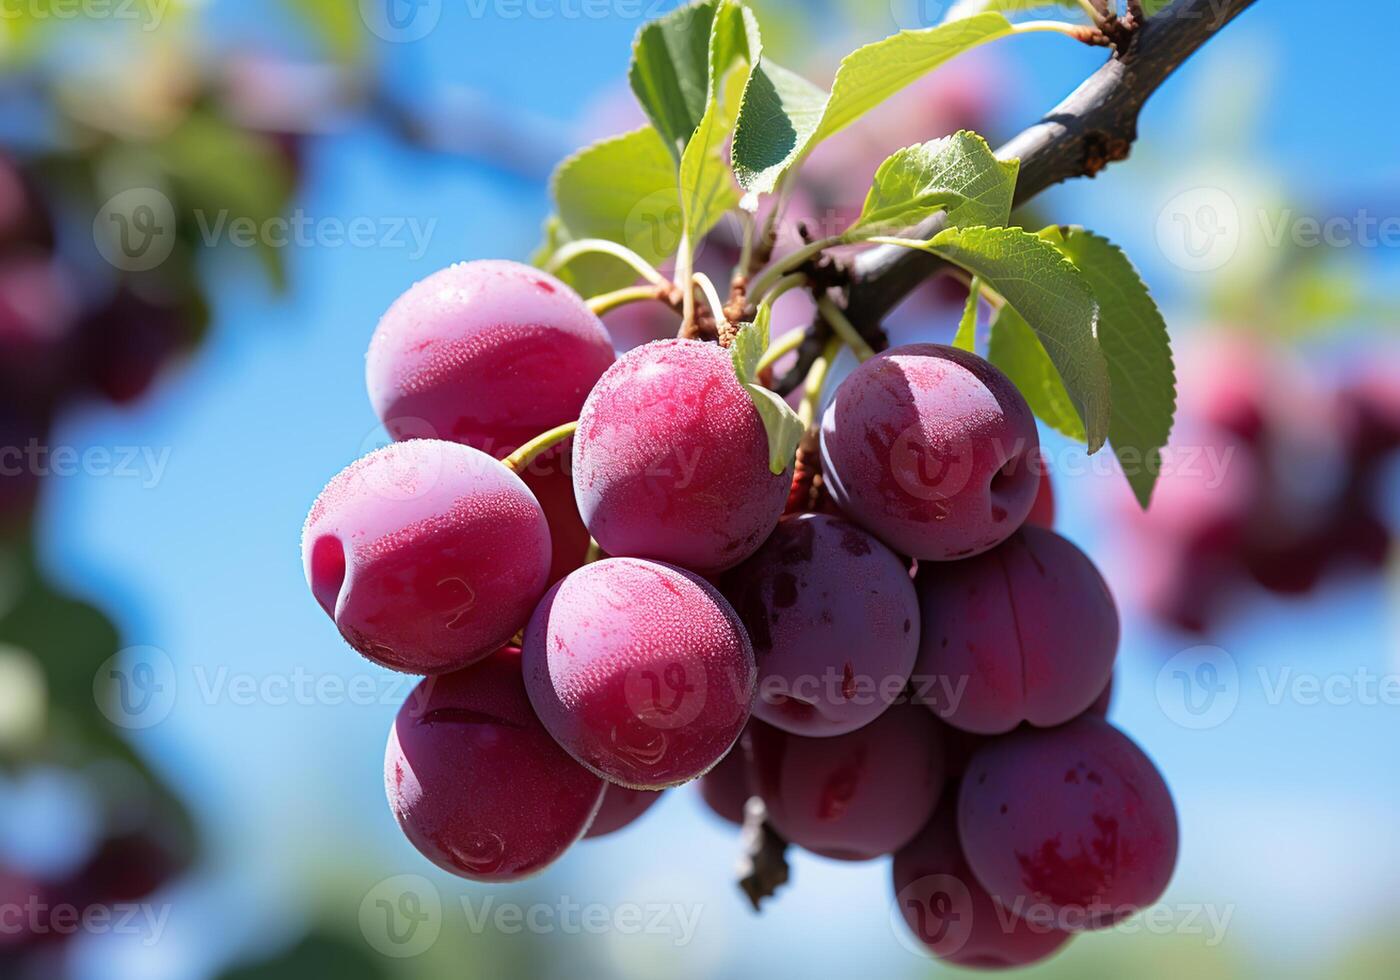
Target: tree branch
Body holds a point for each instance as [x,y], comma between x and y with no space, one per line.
[1086,132]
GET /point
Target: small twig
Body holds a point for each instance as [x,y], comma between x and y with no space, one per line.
[763,867]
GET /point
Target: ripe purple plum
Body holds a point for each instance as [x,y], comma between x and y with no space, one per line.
[428,555]
[124,343]
[725,788]
[1026,632]
[37,315]
[642,671]
[549,479]
[834,622]
[487,353]
[851,797]
[1043,510]
[671,460]
[951,914]
[1070,826]
[931,448]
[621,806]
[477,784]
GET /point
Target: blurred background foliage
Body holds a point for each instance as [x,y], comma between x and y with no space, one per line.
[257,109]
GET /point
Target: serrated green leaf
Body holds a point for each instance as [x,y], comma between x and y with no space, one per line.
[782,424]
[1135,344]
[966,337]
[622,189]
[1015,349]
[707,188]
[670,71]
[1053,297]
[785,123]
[780,110]
[957,173]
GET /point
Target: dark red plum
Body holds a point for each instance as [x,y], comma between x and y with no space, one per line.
[951,914]
[642,671]
[1026,632]
[931,449]
[1070,826]
[621,806]
[487,353]
[475,781]
[428,555]
[851,797]
[671,460]
[725,788]
[834,622]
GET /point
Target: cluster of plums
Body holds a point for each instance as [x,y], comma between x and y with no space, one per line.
[1280,479]
[920,672]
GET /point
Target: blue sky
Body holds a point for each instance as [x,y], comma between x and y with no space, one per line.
[205,564]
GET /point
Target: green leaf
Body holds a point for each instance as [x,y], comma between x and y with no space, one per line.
[783,425]
[1150,7]
[670,71]
[970,8]
[780,121]
[780,111]
[1134,340]
[750,343]
[622,189]
[957,173]
[1053,298]
[223,174]
[966,337]
[1015,349]
[706,187]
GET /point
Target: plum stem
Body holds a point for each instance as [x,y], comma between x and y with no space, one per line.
[816,381]
[785,344]
[845,329]
[588,246]
[518,461]
[707,287]
[604,302]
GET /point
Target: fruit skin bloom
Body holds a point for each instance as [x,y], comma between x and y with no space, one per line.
[642,671]
[851,797]
[1026,632]
[671,460]
[477,784]
[931,449]
[949,911]
[488,353]
[428,555]
[1071,827]
[834,621]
